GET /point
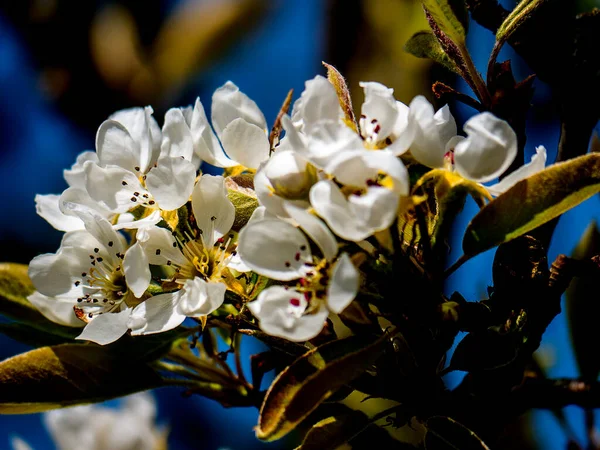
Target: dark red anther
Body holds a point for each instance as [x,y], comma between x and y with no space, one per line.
[295,302]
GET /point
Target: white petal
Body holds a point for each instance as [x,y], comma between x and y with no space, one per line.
[328,139]
[136,269]
[228,104]
[212,209]
[55,274]
[275,249]
[47,207]
[102,230]
[377,208]
[445,123]
[206,144]
[293,139]
[537,164]
[429,131]
[343,286]
[19,444]
[105,184]
[329,202]
[106,328]
[316,229]
[57,309]
[245,143]
[200,298]
[115,146]
[144,131]
[261,213]
[488,150]
[81,197]
[379,105]
[280,313]
[267,198]
[70,429]
[176,136]
[358,168]
[171,182]
[75,176]
[156,314]
[160,247]
[126,222]
[319,101]
[142,406]
[289,174]
[236,263]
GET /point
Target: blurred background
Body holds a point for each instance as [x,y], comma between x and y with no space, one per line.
[65,66]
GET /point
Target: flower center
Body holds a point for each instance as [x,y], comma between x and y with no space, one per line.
[104,287]
[314,286]
[205,261]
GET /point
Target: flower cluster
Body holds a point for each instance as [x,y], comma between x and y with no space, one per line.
[150,239]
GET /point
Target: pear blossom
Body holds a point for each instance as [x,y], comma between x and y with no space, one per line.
[383,120]
[92,281]
[318,128]
[279,250]
[240,128]
[488,150]
[428,132]
[368,201]
[200,262]
[485,154]
[92,427]
[140,166]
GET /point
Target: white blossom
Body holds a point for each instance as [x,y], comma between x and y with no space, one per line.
[93,280]
[199,262]
[278,250]
[92,427]
[139,165]
[240,127]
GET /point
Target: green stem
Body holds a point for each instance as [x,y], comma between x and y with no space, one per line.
[478,84]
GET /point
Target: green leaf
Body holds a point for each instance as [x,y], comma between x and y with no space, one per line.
[444,433]
[533,202]
[519,15]
[423,44]
[311,379]
[70,374]
[583,308]
[15,286]
[34,336]
[451,17]
[330,433]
